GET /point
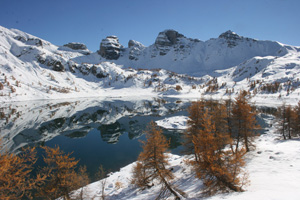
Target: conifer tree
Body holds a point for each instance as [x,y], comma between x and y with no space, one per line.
[296,123]
[243,121]
[62,177]
[218,167]
[16,182]
[152,162]
[288,119]
[281,118]
[194,123]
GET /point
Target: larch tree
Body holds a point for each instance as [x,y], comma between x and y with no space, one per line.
[281,118]
[152,162]
[16,181]
[62,177]
[195,122]
[296,123]
[243,121]
[288,119]
[217,166]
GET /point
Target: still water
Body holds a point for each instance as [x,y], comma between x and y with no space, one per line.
[98,132]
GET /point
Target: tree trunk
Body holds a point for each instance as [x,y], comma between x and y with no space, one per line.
[169,187]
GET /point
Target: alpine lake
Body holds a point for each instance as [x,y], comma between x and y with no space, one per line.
[97,132]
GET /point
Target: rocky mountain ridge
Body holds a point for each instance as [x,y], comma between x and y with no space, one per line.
[173,50]
[32,68]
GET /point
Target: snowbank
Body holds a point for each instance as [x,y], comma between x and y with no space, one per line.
[177,122]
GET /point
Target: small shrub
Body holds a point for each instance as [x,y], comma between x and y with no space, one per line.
[12,89]
[118,185]
[178,87]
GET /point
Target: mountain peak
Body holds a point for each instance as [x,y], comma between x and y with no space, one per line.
[168,37]
[230,35]
[110,48]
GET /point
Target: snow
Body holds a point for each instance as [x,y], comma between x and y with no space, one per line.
[177,122]
[27,64]
[273,168]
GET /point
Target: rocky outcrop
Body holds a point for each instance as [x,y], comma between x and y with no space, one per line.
[47,60]
[76,46]
[110,48]
[135,49]
[30,41]
[166,39]
[231,38]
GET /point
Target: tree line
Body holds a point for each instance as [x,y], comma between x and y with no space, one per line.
[288,119]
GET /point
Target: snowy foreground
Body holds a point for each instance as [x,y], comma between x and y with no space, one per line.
[273,167]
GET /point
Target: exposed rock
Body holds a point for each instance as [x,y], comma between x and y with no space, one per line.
[20,38]
[98,72]
[29,41]
[166,39]
[58,66]
[231,38]
[230,35]
[76,46]
[35,41]
[110,48]
[135,49]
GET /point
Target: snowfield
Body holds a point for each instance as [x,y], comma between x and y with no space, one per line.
[273,168]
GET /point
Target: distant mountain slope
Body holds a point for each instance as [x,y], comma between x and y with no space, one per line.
[175,52]
[32,68]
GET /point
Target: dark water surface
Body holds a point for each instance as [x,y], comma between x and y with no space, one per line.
[97,132]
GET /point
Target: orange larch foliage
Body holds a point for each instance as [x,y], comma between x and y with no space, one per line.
[16,182]
[152,162]
[243,121]
[216,165]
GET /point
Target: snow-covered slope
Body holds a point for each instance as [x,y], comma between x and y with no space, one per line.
[32,68]
[195,57]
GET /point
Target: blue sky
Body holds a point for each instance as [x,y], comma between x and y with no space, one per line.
[89,21]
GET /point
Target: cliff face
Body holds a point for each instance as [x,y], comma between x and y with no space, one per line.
[110,48]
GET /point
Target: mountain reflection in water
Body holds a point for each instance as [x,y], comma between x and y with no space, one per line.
[97,132]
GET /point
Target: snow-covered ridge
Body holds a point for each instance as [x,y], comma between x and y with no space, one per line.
[32,68]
